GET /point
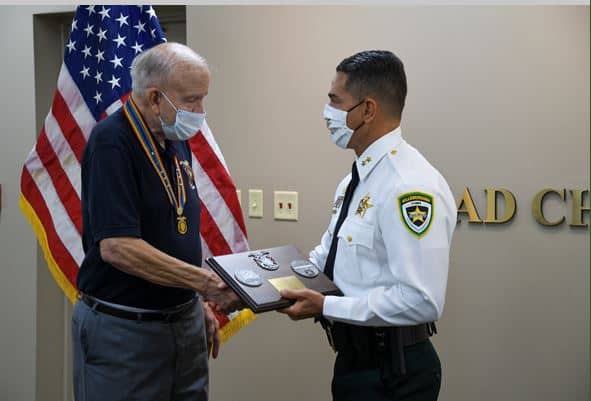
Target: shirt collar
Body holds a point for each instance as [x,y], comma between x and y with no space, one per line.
[376,151]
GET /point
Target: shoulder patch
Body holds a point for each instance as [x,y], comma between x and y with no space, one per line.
[416,211]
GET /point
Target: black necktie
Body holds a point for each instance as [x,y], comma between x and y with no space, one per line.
[332,253]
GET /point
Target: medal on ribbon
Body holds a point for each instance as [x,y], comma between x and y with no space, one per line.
[181,225]
[141,131]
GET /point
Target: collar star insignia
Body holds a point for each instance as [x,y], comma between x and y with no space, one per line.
[367,160]
[417,215]
[364,204]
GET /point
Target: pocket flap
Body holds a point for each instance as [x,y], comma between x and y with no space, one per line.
[356,233]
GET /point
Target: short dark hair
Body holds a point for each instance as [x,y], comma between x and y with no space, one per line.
[379,73]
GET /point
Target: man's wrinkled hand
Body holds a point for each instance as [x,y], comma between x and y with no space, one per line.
[308,303]
[212,327]
[220,296]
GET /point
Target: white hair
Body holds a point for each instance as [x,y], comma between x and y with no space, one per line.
[154,67]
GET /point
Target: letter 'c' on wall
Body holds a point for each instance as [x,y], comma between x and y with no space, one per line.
[538,209]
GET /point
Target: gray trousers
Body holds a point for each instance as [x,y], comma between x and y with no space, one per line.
[117,359]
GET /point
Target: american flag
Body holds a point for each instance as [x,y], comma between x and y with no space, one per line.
[93,82]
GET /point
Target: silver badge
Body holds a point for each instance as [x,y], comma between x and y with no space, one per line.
[305,268]
[264,260]
[248,278]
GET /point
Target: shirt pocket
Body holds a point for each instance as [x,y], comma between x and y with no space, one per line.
[359,256]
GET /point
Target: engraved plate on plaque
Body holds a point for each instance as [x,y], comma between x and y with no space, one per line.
[287,283]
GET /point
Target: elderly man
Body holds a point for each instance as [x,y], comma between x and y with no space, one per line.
[387,244]
[139,329]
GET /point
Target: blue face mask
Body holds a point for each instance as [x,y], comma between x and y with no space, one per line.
[185,126]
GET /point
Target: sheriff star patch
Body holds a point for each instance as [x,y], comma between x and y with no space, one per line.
[416,211]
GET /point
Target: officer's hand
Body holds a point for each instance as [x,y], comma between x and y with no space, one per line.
[307,304]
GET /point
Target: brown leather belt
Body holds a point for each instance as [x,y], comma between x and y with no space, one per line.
[169,315]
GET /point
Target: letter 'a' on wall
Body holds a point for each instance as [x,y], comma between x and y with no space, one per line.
[466,206]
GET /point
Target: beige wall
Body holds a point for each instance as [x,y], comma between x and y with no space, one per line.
[18,261]
[17,298]
[498,96]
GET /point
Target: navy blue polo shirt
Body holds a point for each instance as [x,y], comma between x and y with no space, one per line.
[122,196]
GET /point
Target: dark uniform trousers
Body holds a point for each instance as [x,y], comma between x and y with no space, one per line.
[384,363]
[355,381]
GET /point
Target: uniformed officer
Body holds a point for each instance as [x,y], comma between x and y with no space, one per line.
[138,331]
[387,244]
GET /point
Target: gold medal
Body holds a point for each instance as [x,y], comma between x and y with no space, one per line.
[181,225]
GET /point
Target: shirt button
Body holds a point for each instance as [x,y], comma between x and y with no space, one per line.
[349,238]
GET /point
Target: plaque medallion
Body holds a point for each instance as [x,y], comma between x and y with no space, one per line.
[305,268]
[249,278]
[264,260]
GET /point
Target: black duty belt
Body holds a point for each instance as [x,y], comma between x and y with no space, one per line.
[374,345]
[169,315]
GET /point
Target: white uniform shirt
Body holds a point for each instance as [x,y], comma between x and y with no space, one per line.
[393,251]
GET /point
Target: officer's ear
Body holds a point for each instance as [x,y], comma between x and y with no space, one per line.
[370,110]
